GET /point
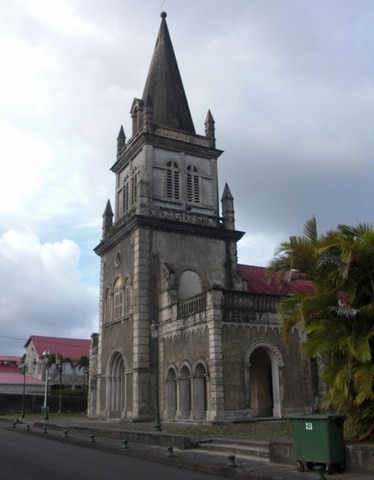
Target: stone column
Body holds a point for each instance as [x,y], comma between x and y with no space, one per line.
[142,321]
[214,317]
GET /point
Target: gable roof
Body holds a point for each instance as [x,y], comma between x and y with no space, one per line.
[164,89]
[73,348]
[257,282]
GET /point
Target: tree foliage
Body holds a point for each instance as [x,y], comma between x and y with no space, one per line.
[338,317]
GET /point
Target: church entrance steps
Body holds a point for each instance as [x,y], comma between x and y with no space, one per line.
[251,449]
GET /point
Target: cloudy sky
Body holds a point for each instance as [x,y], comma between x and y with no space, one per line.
[289,83]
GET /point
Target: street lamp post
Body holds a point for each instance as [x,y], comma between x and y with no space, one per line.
[45,357]
[22,367]
[154,335]
[60,367]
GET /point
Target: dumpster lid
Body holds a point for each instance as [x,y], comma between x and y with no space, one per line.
[317,416]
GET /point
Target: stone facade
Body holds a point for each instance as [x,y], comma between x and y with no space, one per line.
[169,266]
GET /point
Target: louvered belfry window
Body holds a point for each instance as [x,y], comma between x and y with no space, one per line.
[193,185]
[172,181]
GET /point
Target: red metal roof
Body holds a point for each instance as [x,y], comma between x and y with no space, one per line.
[9,363]
[73,348]
[9,358]
[17,378]
[258,282]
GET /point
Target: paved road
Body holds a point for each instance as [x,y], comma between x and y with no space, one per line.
[25,457]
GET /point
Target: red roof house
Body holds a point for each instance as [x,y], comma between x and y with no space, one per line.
[70,349]
[73,348]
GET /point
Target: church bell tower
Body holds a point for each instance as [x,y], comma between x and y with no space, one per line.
[162,243]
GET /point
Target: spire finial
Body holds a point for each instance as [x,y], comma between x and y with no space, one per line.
[163,15]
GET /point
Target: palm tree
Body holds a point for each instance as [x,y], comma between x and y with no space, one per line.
[84,363]
[338,317]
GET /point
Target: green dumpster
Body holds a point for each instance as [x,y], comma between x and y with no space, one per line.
[318,439]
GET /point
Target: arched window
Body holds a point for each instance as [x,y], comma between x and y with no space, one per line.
[172,181]
[185,392]
[126,194]
[108,306]
[127,299]
[171,393]
[117,300]
[189,285]
[193,185]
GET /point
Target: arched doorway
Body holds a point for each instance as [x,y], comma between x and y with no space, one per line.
[185,393]
[263,387]
[200,393]
[171,393]
[116,386]
[262,400]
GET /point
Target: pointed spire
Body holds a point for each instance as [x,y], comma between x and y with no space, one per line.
[121,136]
[107,218]
[209,129]
[121,141]
[228,213]
[164,85]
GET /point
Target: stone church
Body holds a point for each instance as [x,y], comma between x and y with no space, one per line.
[186,333]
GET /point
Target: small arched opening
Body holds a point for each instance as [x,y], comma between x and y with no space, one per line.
[116,386]
[200,392]
[171,393]
[185,392]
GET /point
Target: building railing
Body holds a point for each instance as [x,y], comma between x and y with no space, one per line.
[249,302]
[236,306]
[192,305]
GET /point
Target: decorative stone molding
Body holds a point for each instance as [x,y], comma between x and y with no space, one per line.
[179,216]
[275,353]
[178,333]
[201,361]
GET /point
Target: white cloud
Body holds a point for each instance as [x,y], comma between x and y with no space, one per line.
[23,156]
[59,16]
[257,249]
[41,289]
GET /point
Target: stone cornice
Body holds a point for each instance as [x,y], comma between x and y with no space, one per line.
[168,221]
[166,142]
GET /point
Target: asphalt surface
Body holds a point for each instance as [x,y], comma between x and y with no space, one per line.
[22,459]
[111,438]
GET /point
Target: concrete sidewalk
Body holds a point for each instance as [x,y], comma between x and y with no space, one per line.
[116,437]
